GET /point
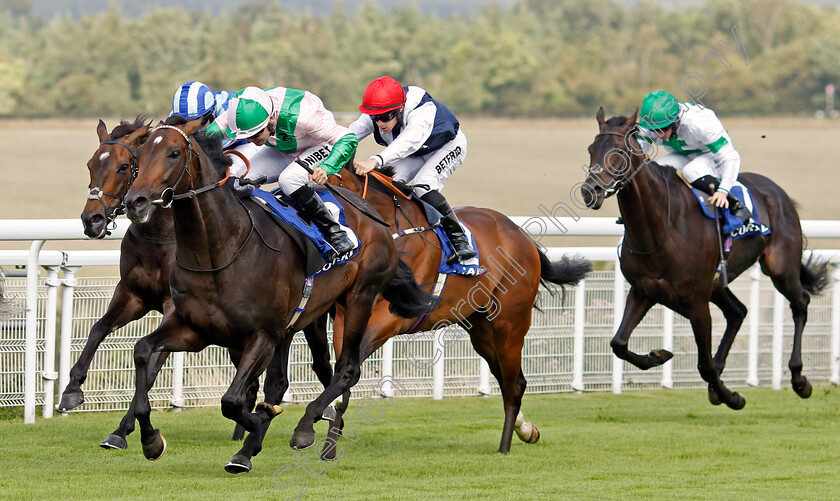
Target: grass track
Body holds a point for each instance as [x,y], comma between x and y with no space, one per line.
[638,445]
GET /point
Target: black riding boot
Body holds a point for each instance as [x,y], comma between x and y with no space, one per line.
[313,207]
[708,184]
[450,224]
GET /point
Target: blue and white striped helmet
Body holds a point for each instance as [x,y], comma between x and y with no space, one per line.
[193,100]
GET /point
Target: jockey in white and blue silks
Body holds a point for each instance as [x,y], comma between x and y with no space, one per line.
[697,144]
[423,143]
[295,132]
[194,100]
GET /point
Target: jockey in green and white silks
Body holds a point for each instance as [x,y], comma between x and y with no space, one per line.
[296,130]
[697,144]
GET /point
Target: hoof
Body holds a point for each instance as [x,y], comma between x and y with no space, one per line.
[238,464]
[803,390]
[737,402]
[713,397]
[70,401]
[156,447]
[302,439]
[535,436]
[114,442]
[329,413]
[238,433]
[661,356]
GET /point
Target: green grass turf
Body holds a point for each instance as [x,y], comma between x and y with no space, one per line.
[638,445]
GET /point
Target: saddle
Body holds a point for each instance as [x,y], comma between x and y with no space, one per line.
[308,238]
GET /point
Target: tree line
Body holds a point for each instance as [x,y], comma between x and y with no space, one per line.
[537,58]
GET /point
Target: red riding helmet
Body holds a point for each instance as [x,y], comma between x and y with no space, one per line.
[381,96]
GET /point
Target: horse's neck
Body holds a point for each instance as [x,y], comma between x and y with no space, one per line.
[644,205]
[210,226]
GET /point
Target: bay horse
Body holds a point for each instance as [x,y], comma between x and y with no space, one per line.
[494,308]
[238,278]
[671,250]
[147,252]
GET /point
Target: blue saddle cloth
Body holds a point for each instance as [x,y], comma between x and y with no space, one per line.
[469,268]
[313,235]
[733,226]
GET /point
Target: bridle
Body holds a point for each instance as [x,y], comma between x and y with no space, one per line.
[96,193]
[619,183]
[168,195]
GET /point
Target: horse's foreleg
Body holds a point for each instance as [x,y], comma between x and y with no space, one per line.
[116,440]
[276,384]
[123,308]
[172,335]
[636,307]
[316,338]
[734,311]
[701,324]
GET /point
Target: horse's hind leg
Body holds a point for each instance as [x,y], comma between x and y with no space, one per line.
[123,308]
[116,440]
[734,311]
[790,287]
[500,344]
[636,307]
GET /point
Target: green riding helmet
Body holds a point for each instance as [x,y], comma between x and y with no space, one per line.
[659,110]
[249,111]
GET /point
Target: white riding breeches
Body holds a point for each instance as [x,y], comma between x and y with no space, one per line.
[281,168]
[693,168]
[434,168]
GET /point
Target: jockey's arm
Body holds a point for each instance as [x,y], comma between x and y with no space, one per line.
[729,163]
[322,127]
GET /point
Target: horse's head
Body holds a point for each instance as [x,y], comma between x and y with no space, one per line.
[171,164]
[614,157]
[112,168]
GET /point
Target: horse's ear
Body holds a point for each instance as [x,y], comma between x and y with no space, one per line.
[632,120]
[190,127]
[136,136]
[102,131]
[600,116]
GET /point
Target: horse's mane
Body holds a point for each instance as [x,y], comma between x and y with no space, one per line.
[211,145]
[125,128]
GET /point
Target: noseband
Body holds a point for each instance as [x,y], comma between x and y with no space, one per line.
[96,193]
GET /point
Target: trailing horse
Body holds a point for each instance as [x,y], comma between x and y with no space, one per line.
[238,278]
[671,250]
[494,307]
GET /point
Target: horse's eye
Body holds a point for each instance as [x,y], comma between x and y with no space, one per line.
[175,154]
[123,167]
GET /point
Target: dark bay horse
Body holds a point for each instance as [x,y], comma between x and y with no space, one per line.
[147,253]
[494,308]
[671,251]
[238,278]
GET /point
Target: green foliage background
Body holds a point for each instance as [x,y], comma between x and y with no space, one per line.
[536,58]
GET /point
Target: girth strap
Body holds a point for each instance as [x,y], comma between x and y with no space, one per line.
[304,300]
[440,283]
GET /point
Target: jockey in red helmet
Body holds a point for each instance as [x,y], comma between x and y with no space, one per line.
[423,143]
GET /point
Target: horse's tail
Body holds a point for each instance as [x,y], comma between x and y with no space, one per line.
[407,299]
[567,271]
[813,275]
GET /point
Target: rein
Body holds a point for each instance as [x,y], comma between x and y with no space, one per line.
[618,184]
